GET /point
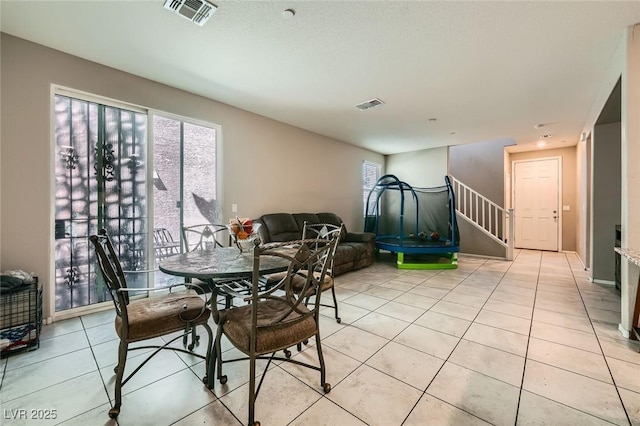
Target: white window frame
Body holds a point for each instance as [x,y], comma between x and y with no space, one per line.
[367,188]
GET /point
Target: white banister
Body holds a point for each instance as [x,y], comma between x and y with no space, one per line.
[485,215]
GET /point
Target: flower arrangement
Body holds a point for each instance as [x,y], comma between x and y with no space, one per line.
[243,232]
[242,228]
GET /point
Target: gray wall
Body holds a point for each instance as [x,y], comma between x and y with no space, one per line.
[480,166]
[473,241]
[425,168]
[606,198]
[262,171]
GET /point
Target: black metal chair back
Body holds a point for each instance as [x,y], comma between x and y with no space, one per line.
[111,271]
[208,236]
[327,231]
[150,317]
[278,317]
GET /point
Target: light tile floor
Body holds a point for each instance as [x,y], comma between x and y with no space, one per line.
[527,342]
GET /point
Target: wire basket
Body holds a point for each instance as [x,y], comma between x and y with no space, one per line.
[20,320]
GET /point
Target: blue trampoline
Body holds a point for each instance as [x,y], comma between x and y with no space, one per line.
[417,222]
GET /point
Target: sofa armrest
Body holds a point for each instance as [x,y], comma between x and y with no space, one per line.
[360,237]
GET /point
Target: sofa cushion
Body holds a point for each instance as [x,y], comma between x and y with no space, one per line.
[301,218]
[281,227]
[362,251]
[333,219]
[344,254]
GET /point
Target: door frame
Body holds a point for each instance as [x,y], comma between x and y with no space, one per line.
[560,181]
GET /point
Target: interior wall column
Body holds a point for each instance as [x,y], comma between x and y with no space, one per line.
[630,173]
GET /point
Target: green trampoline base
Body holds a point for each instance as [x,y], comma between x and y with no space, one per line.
[425,262]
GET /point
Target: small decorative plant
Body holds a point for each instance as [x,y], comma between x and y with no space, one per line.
[242,228]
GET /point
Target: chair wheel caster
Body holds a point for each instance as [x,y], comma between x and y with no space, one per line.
[113,413]
[190,347]
[256,423]
[223,380]
[115,369]
[205,379]
[287,353]
[326,388]
[338,320]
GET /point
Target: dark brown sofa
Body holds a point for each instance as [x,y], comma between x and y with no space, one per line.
[355,249]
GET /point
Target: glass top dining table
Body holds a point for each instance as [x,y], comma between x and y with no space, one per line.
[221,262]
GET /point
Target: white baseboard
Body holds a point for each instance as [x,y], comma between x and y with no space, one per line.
[624,332]
[605,282]
[483,256]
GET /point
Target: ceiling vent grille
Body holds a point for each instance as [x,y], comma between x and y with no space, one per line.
[369,104]
[197,11]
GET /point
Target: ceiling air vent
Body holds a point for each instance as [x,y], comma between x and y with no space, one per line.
[197,11]
[369,104]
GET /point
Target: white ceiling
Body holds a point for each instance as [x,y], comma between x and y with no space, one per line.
[484,70]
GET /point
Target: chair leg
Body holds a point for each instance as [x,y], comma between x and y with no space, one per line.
[210,358]
[122,360]
[335,304]
[326,387]
[252,389]
[221,378]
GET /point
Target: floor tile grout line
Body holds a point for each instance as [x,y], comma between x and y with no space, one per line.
[458,343]
[95,360]
[615,385]
[526,353]
[4,401]
[424,392]
[527,358]
[449,291]
[388,341]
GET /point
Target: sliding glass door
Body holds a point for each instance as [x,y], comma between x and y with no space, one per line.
[185,182]
[101,174]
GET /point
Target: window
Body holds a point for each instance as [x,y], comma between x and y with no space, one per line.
[370,175]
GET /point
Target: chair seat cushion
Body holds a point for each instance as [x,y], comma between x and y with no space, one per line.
[300,280]
[271,336]
[157,316]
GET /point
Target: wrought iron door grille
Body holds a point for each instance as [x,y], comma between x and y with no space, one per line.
[100,177]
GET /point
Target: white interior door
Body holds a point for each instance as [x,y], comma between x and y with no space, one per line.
[536,189]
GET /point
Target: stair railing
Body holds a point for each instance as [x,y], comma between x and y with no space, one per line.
[485,215]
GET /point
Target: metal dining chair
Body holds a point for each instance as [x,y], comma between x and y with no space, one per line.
[326,231]
[141,319]
[207,236]
[277,318]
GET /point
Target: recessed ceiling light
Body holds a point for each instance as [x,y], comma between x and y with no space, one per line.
[540,144]
[452,133]
[288,13]
[539,126]
[432,120]
[546,136]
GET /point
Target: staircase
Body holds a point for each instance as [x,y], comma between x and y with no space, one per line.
[485,215]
